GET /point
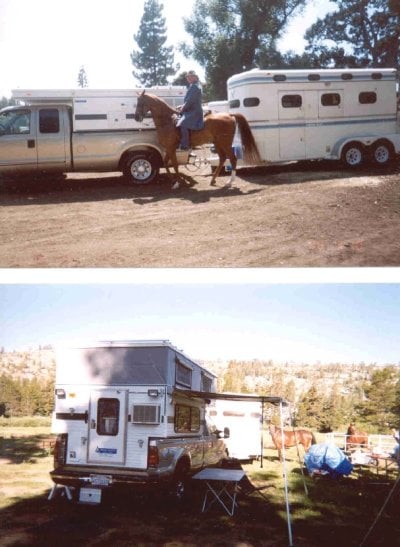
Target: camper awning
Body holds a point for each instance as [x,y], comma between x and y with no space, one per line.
[230,396]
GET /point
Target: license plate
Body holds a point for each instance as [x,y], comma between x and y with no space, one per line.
[100,480]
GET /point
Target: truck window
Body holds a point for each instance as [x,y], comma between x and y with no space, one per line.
[292,101]
[367,97]
[107,416]
[49,120]
[187,419]
[330,99]
[15,122]
[206,383]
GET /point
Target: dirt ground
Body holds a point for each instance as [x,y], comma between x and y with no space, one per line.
[299,215]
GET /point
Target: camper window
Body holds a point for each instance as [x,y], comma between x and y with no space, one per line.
[187,419]
[107,416]
[183,374]
[235,103]
[367,97]
[292,101]
[206,383]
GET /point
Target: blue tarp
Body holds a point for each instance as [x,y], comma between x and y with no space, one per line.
[329,458]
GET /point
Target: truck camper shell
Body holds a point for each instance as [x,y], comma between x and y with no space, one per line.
[101,109]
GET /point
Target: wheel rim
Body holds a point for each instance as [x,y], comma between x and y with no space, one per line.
[353,156]
[141,169]
[381,154]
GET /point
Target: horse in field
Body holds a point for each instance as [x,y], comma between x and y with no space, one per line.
[356,439]
[291,438]
[219,129]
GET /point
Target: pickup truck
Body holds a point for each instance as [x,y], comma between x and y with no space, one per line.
[129,412]
[170,463]
[40,139]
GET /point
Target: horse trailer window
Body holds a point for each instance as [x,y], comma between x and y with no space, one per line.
[314,77]
[330,99]
[251,101]
[107,416]
[235,103]
[234,413]
[187,419]
[292,101]
[347,76]
[367,97]
[279,78]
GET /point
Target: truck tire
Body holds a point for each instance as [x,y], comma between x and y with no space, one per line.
[353,155]
[140,168]
[382,153]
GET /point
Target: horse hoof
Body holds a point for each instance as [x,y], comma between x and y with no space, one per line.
[175,186]
[213,183]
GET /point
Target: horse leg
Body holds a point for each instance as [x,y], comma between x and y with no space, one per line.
[216,173]
[233,160]
[171,155]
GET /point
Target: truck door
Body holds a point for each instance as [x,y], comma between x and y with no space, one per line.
[291,125]
[51,139]
[107,427]
[17,140]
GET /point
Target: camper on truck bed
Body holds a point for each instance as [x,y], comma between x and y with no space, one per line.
[339,114]
[131,413]
[81,130]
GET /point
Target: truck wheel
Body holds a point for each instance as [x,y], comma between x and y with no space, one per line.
[179,482]
[353,155]
[382,153]
[140,168]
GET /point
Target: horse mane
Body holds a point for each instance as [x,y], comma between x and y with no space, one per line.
[159,101]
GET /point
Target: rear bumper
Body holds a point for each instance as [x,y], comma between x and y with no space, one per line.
[104,477]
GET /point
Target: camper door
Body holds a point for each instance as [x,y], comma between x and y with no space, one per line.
[107,427]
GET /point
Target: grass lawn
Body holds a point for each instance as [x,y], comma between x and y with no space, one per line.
[323,511]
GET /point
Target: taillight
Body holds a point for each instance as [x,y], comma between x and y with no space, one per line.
[153,459]
[60,449]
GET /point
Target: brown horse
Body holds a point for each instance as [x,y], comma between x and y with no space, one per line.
[219,129]
[291,438]
[356,439]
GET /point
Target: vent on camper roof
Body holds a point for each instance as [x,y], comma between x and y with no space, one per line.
[146,414]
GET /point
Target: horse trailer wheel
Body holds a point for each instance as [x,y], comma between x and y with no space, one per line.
[140,168]
[353,155]
[382,153]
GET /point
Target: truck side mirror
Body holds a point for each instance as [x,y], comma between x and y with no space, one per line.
[227,433]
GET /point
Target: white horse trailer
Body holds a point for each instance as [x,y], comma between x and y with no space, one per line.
[347,114]
[244,421]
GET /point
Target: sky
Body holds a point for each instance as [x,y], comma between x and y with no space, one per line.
[43,43]
[294,322]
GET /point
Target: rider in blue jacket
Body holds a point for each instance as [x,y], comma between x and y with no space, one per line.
[191,110]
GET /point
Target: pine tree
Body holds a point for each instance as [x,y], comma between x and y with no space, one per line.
[153,60]
[82,77]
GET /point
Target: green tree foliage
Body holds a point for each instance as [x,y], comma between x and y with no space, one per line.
[358,33]
[82,77]
[380,401]
[153,60]
[229,36]
[25,397]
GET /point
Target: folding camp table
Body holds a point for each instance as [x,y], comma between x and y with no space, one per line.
[222,487]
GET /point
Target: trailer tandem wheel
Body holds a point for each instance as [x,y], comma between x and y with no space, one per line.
[353,154]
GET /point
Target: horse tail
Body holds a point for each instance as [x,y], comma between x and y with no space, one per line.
[251,154]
